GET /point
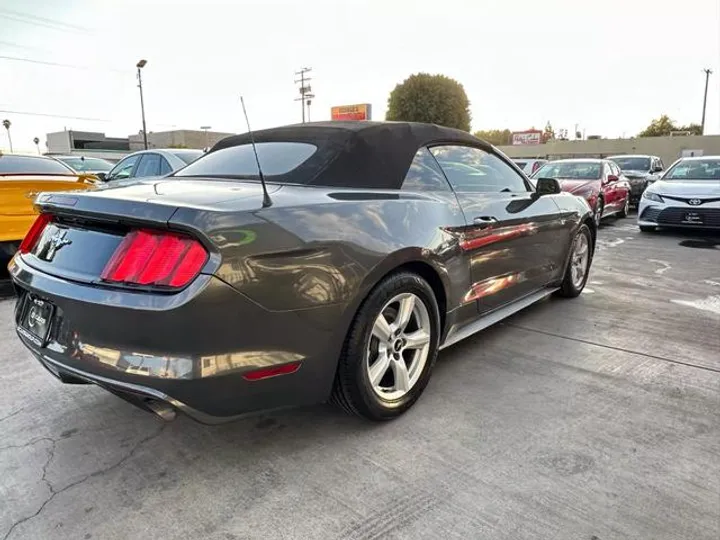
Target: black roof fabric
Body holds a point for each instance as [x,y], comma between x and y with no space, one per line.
[373,155]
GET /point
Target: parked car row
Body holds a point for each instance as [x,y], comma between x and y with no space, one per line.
[685,195]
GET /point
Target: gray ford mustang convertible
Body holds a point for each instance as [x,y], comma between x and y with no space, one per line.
[337,272]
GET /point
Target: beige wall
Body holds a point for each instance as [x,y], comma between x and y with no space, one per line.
[185,138]
[667,148]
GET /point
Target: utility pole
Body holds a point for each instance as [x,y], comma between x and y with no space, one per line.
[305,91]
[141,64]
[707,79]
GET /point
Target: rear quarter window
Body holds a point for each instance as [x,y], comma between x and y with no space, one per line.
[276,158]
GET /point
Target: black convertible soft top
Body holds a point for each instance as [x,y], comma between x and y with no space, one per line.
[374,155]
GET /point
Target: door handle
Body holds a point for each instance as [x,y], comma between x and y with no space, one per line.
[484,220]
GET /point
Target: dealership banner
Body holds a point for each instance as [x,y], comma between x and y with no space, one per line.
[361,111]
[532,136]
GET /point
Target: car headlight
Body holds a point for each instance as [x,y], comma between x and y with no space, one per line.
[650,196]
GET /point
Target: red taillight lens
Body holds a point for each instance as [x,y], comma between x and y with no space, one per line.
[33,235]
[155,258]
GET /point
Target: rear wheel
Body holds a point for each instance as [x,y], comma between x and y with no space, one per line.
[578,268]
[390,349]
[647,228]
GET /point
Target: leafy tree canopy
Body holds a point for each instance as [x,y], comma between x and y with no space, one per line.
[435,99]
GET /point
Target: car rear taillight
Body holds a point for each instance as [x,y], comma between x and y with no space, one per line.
[33,235]
[155,258]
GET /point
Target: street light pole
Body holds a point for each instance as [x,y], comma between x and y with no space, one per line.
[205,129]
[707,79]
[7,123]
[140,65]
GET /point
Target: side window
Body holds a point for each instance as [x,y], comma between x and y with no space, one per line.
[123,169]
[165,167]
[471,170]
[424,174]
[149,166]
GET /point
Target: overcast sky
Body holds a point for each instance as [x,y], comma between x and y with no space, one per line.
[609,66]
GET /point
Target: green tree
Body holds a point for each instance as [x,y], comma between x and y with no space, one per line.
[659,127]
[694,129]
[436,99]
[498,137]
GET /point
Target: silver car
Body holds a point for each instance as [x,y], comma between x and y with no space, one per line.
[153,162]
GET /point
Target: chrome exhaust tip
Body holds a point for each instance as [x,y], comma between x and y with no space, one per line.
[163,410]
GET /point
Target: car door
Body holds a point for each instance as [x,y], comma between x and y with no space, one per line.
[609,185]
[514,238]
[622,188]
[123,169]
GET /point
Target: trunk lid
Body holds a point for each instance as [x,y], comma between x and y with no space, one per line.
[88,227]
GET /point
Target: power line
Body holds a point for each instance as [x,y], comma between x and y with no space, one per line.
[58,64]
[47,20]
[61,27]
[56,116]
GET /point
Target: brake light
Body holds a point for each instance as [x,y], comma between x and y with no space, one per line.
[33,235]
[155,258]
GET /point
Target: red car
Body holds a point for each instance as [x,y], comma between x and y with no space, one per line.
[599,181]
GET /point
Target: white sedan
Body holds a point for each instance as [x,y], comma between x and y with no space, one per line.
[687,195]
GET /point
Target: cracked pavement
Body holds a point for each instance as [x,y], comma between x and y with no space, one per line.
[596,418]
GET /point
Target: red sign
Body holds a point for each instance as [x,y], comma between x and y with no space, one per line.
[531,136]
[361,111]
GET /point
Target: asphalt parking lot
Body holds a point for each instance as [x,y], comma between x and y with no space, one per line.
[594,418]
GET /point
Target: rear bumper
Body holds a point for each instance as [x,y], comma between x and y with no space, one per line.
[190,350]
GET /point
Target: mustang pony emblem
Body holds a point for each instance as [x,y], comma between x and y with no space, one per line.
[56,242]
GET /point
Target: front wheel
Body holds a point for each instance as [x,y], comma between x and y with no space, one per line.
[578,268]
[599,206]
[390,349]
[626,209]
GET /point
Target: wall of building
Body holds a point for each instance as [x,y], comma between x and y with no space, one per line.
[182,138]
[667,148]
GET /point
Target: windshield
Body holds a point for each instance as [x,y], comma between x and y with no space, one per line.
[87,164]
[32,165]
[633,163]
[580,170]
[696,169]
[188,156]
[276,158]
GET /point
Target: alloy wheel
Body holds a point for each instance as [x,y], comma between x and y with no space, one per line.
[398,347]
[580,259]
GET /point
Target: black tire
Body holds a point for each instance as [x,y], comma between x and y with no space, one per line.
[352,389]
[568,289]
[626,209]
[599,207]
[647,228]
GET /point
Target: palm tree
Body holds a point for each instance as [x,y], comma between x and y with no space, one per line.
[7,125]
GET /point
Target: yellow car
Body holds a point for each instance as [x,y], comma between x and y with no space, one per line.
[21,179]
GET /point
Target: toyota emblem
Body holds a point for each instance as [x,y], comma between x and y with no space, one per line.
[695,202]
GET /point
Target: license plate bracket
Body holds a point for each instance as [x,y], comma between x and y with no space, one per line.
[36,320]
[693,218]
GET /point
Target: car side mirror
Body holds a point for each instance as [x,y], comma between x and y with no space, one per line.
[547,186]
[657,169]
[612,178]
[101,176]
